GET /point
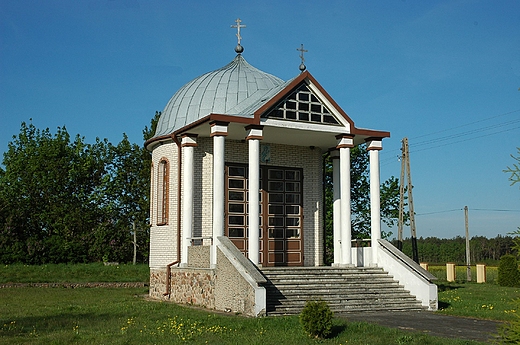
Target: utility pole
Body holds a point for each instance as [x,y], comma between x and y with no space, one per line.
[468,257]
[135,242]
[401,207]
[405,167]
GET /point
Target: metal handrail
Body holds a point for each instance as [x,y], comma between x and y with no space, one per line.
[168,277]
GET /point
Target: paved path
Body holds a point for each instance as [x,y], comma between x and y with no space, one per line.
[432,323]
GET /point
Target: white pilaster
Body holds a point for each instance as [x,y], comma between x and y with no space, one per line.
[254,136]
[344,145]
[219,133]
[336,207]
[188,144]
[373,146]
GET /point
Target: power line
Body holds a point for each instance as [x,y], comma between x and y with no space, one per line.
[471,209]
[462,140]
[453,138]
[492,210]
[473,131]
[467,124]
[437,212]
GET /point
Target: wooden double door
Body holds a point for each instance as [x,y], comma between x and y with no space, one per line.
[281,213]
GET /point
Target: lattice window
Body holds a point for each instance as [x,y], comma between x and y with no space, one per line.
[163,182]
[152,190]
[302,105]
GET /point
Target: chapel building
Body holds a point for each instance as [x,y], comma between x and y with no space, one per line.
[237,187]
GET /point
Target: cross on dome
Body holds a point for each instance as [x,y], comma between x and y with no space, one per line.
[238,26]
[301,50]
[239,49]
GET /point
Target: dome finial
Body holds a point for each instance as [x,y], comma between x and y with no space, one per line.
[302,65]
[238,49]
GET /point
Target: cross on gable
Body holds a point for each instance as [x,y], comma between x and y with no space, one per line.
[302,65]
[301,50]
[238,26]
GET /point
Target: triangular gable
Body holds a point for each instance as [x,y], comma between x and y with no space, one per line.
[302,105]
[304,100]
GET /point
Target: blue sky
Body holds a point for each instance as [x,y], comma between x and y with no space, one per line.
[445,74]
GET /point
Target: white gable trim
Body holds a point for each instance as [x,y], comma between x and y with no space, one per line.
[306,126]
[329,105]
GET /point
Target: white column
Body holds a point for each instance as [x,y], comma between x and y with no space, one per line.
[344,145]
[188,144]
[219,133]
[336,207]
[254,136]
[373,146]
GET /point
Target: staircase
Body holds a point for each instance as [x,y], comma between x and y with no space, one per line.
[344,289]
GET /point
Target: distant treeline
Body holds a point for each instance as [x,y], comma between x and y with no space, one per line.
[441,250]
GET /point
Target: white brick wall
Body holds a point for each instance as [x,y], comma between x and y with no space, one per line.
[163,238]
[163,241]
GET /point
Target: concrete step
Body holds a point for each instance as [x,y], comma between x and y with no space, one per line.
[344,290]
[349,302]
[330,278]
[351,309]
[336,283]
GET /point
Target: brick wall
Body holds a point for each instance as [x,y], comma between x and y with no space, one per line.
[163,239]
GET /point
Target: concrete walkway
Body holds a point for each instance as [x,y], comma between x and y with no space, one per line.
[432,323]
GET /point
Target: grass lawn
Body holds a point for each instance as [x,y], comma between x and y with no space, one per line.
[76,273]
[32,315]
[124,316]
[484,301]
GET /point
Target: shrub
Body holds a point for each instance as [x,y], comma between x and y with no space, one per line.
[510,332]
[508,274]
[316,319]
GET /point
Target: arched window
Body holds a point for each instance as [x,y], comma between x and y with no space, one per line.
[163,182]
[152,190]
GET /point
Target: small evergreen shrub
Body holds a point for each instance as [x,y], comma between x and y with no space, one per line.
[510,331]
[316,319]
[508,274]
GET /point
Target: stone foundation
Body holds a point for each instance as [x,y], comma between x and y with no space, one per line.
[158,283]
[187,286]
[223,288]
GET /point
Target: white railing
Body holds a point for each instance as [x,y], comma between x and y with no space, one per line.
[410,274]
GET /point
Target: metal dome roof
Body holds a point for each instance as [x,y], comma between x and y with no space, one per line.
[230,90]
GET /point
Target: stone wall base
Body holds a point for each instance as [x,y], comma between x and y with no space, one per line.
[194,286]
[226,287]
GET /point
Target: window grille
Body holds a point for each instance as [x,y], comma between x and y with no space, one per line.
[163,177]
[302,105]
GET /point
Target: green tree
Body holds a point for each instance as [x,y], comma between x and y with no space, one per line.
[508,273]
[514,178]
[510,333]
[64,200]
[148,133]
[515,169]
[47,194]
[126,189]
[124,201]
